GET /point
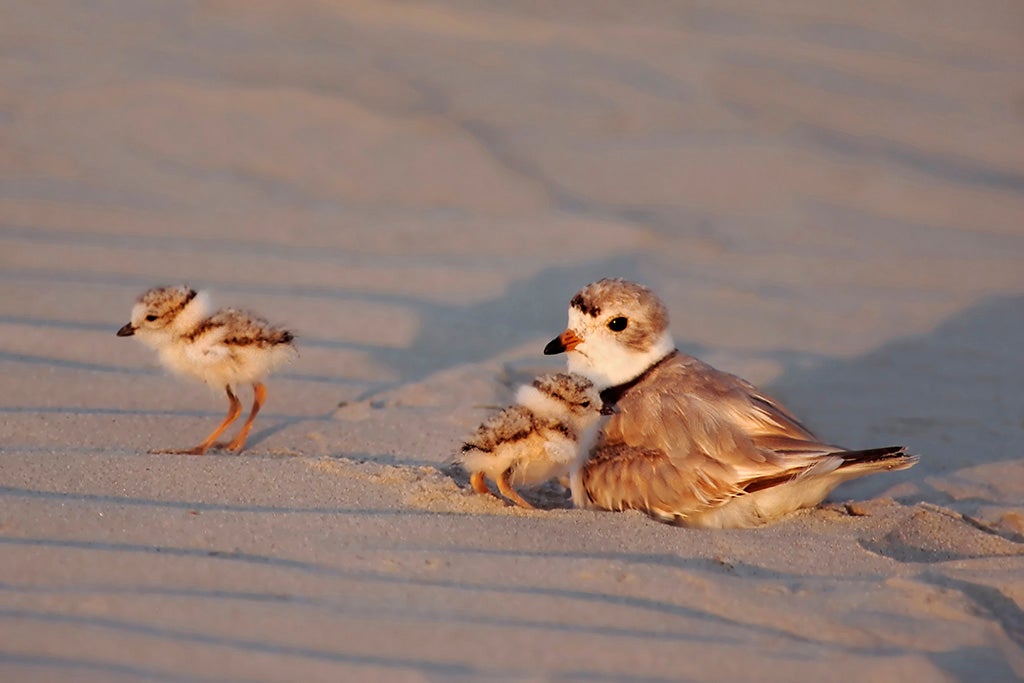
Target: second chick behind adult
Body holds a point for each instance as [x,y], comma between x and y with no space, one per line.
[539,438]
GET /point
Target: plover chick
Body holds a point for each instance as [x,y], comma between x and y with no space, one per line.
[226,349]
[535,440]
[689,444]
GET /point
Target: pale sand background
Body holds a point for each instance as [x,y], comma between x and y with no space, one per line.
[828,196]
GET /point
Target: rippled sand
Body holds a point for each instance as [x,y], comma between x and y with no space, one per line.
[829,197]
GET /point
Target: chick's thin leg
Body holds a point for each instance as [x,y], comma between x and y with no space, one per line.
[480,484]
[510,493]
[259,393]
[234,410]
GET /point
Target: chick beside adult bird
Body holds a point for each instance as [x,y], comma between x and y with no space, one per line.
[537,439]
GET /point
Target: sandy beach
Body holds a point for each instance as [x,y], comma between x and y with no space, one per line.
[829,197]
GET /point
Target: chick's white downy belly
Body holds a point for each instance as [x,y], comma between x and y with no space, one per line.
[529,461]
[491,463]
[177,359]
[253,363]
[222,365]
[554,459]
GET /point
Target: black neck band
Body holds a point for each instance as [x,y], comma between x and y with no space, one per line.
[612,395]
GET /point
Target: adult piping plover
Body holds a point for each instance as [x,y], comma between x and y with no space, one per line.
[689,444]
[537,439]
[228,348]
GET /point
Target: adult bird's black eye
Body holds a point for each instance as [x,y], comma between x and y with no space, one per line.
[150,318]
[617,324]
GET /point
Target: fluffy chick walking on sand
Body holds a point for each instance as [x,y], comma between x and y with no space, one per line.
[228,348]
[537,439]
[689,444]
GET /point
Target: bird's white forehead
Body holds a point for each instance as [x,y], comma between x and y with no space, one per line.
[578,320]
[139,311]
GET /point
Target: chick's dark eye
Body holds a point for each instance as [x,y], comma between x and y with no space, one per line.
[617,324]
[150,318]
[585,404]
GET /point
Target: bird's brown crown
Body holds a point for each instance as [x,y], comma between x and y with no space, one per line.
[615,294]
[164,303]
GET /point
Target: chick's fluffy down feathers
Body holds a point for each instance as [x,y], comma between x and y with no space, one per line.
[533,449]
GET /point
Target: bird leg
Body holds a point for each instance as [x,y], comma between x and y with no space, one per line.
[510,493]
[259,398]
[480,484]
[234,410]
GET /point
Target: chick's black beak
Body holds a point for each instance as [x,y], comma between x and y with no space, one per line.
[609,409]
[126,331]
